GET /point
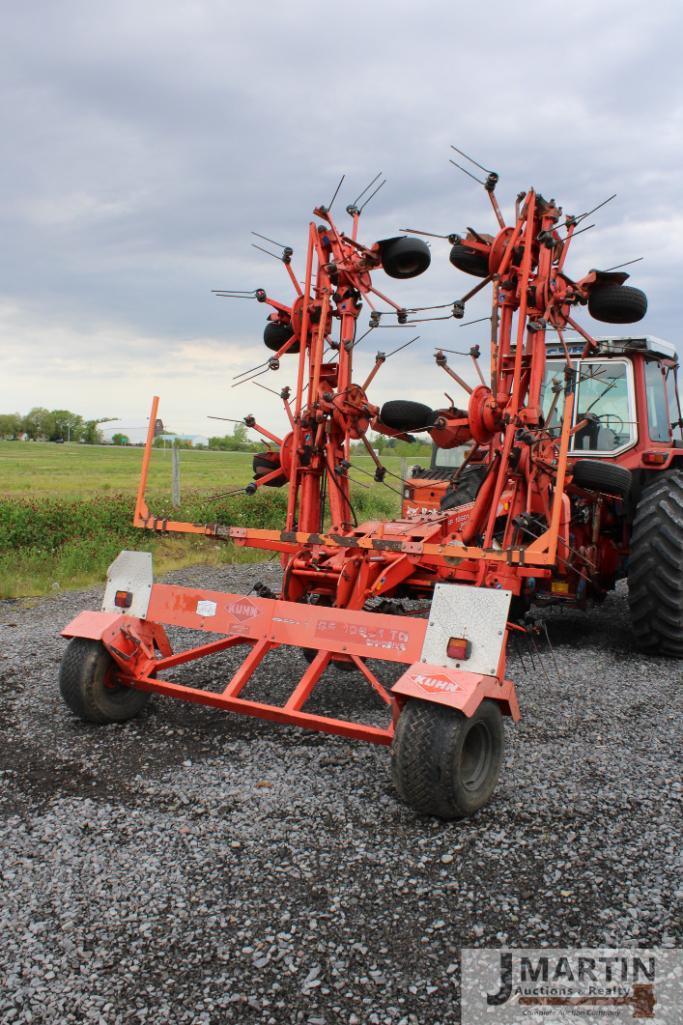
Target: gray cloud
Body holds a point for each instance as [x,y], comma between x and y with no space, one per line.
[145,141]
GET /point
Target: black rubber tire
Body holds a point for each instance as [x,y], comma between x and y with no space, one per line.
[404,257]
[617,304]
[404,415]
[471,261]
[275,335]
[465,489]
[443,763]
[655,569]
[608,478]
[262,466]
[82,684]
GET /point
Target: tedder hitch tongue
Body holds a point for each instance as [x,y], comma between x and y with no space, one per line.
[343,579]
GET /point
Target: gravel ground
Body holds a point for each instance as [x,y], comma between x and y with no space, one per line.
[197,867]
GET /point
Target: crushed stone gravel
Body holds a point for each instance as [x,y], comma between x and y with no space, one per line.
[199,868]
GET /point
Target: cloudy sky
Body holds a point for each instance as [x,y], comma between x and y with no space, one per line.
[144,141]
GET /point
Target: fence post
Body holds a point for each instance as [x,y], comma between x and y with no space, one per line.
[175,476]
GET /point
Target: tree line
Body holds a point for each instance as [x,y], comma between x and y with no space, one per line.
[41,424]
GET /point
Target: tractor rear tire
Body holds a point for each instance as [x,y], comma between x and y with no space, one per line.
[89,688]
[465,488]
[617,304]
[443,763]
[470,261]
[608,478]
[655,571]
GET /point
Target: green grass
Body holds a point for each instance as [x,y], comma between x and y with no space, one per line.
[73,471]
[66,510]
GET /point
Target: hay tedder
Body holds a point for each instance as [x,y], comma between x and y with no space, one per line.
[524,517]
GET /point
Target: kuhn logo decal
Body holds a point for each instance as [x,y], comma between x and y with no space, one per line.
[242,610]
[435,684]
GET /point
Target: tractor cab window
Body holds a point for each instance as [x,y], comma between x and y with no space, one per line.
[658,419]
[447,458]
[674,406]
[553,395]
[604,399]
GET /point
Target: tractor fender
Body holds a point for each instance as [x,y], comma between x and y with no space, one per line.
[456,688]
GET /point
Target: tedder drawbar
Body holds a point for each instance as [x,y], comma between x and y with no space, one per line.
[537,518]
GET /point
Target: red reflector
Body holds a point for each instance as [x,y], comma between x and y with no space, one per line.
[655,458]
[123,599]
[459,648]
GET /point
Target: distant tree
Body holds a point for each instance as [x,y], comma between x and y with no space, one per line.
[119,439]
[238,441]
[91,435]
[62,423]
[172,441]
[11,425]
[35,421]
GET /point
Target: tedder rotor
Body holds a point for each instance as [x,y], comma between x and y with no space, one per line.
[470,561]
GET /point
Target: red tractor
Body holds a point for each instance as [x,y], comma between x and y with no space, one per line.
[629,451]
[571,473]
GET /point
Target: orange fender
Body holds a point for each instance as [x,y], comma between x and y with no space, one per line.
[456,688]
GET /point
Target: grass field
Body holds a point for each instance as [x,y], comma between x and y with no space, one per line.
[73,471]
[66,510]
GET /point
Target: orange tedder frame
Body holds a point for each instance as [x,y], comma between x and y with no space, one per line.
[334,568]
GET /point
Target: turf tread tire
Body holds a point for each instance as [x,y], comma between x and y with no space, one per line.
[275,335]
[404,257]
[81,684]
[655,572]
[617,304]
[469,261]
[406,415]
[425,752]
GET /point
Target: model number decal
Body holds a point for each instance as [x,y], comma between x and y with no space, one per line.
[357,633]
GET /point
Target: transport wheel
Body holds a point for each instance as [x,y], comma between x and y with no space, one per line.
[275,335]
[88,685]
[443,763]
[404,415]
[617,304]
[471,261]
[404,257]
[655,569]
[465,488]
[602,476]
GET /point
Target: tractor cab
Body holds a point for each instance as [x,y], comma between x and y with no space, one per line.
[627,404]
[627,410]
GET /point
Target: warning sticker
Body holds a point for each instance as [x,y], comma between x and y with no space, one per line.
[206,608]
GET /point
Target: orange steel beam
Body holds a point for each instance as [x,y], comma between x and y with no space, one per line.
[141,511]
